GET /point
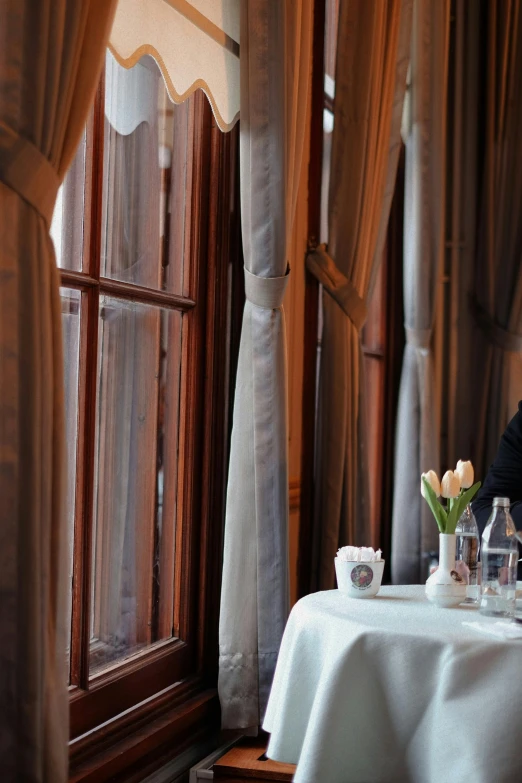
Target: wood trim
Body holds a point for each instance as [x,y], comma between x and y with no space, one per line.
[329,103]
[124,686]
[222,191]
[311,308]
[193,398]
[158,734]
[294,494]
[136,293]
[140,293]
[77,279]
[247,763]
[371,353]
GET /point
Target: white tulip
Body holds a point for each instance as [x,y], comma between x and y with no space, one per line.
[433,480]
[465,473]
[450,485]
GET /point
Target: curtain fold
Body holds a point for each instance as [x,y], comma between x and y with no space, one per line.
[50,58]
[498,279]
[372,61]
[274,85]
[414,533]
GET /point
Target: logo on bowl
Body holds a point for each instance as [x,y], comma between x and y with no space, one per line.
[362,576]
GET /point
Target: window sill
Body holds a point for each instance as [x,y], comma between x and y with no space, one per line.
[142,739]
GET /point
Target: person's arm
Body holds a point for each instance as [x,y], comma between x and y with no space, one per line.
[504,478]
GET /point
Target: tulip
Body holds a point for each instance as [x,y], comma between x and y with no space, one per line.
[433,480]
[450,485]
[465,473]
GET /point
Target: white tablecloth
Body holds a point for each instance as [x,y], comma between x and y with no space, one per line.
[394,689]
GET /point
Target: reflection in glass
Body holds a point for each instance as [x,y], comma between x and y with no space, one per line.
[68,217]
[70,299]
[136,467]
[145,178]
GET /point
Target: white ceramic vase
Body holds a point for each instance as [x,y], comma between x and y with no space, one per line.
[445,587]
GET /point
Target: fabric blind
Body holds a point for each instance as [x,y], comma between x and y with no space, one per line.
[196,45]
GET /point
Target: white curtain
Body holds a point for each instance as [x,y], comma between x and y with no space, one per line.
[414,532]
[275,71]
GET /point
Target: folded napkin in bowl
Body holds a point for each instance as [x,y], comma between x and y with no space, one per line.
[358,554]
[500,630]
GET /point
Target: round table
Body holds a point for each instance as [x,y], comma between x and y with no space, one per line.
[394,689]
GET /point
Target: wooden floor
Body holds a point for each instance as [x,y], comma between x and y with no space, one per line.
[246,763]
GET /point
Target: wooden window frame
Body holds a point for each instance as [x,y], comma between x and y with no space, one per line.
[131,715]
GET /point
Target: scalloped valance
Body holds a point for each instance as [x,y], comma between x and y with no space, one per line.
[196,45]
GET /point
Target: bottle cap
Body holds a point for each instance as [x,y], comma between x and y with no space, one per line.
[502,502]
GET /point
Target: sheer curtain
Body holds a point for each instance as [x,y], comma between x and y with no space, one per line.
[275,71]
[416,450]
[50,58]
[372,61]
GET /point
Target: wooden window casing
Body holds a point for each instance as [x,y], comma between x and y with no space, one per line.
[166,692]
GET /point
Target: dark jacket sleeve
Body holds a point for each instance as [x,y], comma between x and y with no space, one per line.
[504,478]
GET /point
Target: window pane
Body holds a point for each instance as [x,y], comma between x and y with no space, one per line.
[67,227]
[71,352]
[330,38]
[328,123]
[136,471]
[145,178]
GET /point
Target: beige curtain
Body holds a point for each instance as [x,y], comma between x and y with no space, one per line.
[467,120]
[51,53]
[372,62]
[486,283]
[497,347]
[414,532]
[275,70]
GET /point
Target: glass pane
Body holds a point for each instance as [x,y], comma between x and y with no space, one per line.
[68,218]
[136,469]
[71,353]
[330,40]
[145,178]
[328,123]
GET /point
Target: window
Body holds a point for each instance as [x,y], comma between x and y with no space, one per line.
[145,230]
[382,335]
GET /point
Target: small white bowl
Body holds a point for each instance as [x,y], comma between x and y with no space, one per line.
[359,579]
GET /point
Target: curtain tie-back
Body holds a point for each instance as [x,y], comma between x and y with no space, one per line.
[507,341]
[418,338]
[27,172]
[266,292]
[325,270]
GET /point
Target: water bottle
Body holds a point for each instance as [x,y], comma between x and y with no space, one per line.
[468,541]
[499,562]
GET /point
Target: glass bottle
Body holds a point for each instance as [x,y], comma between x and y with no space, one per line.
[499,562]
[468,542]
